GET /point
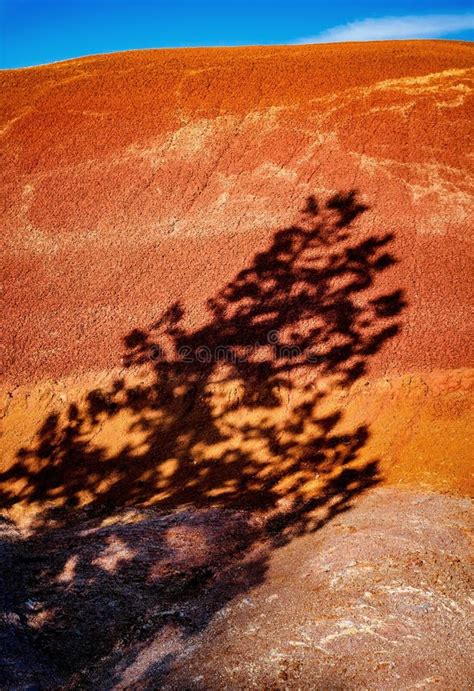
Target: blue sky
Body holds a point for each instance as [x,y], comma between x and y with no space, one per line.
[40,31]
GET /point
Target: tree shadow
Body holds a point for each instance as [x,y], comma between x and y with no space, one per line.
[161,497]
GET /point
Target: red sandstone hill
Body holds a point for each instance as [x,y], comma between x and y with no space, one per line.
[135,180]
[236,354]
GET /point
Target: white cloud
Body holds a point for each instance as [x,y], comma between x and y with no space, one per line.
[387,28]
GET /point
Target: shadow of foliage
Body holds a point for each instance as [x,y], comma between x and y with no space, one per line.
[161,496]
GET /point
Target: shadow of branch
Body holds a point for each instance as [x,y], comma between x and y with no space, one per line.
[161,497]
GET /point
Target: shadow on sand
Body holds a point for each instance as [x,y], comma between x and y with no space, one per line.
[161,497]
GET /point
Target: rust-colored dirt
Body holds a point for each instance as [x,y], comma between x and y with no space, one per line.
[237,309]
[118,169]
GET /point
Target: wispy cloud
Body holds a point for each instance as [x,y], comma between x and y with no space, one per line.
[386,28]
